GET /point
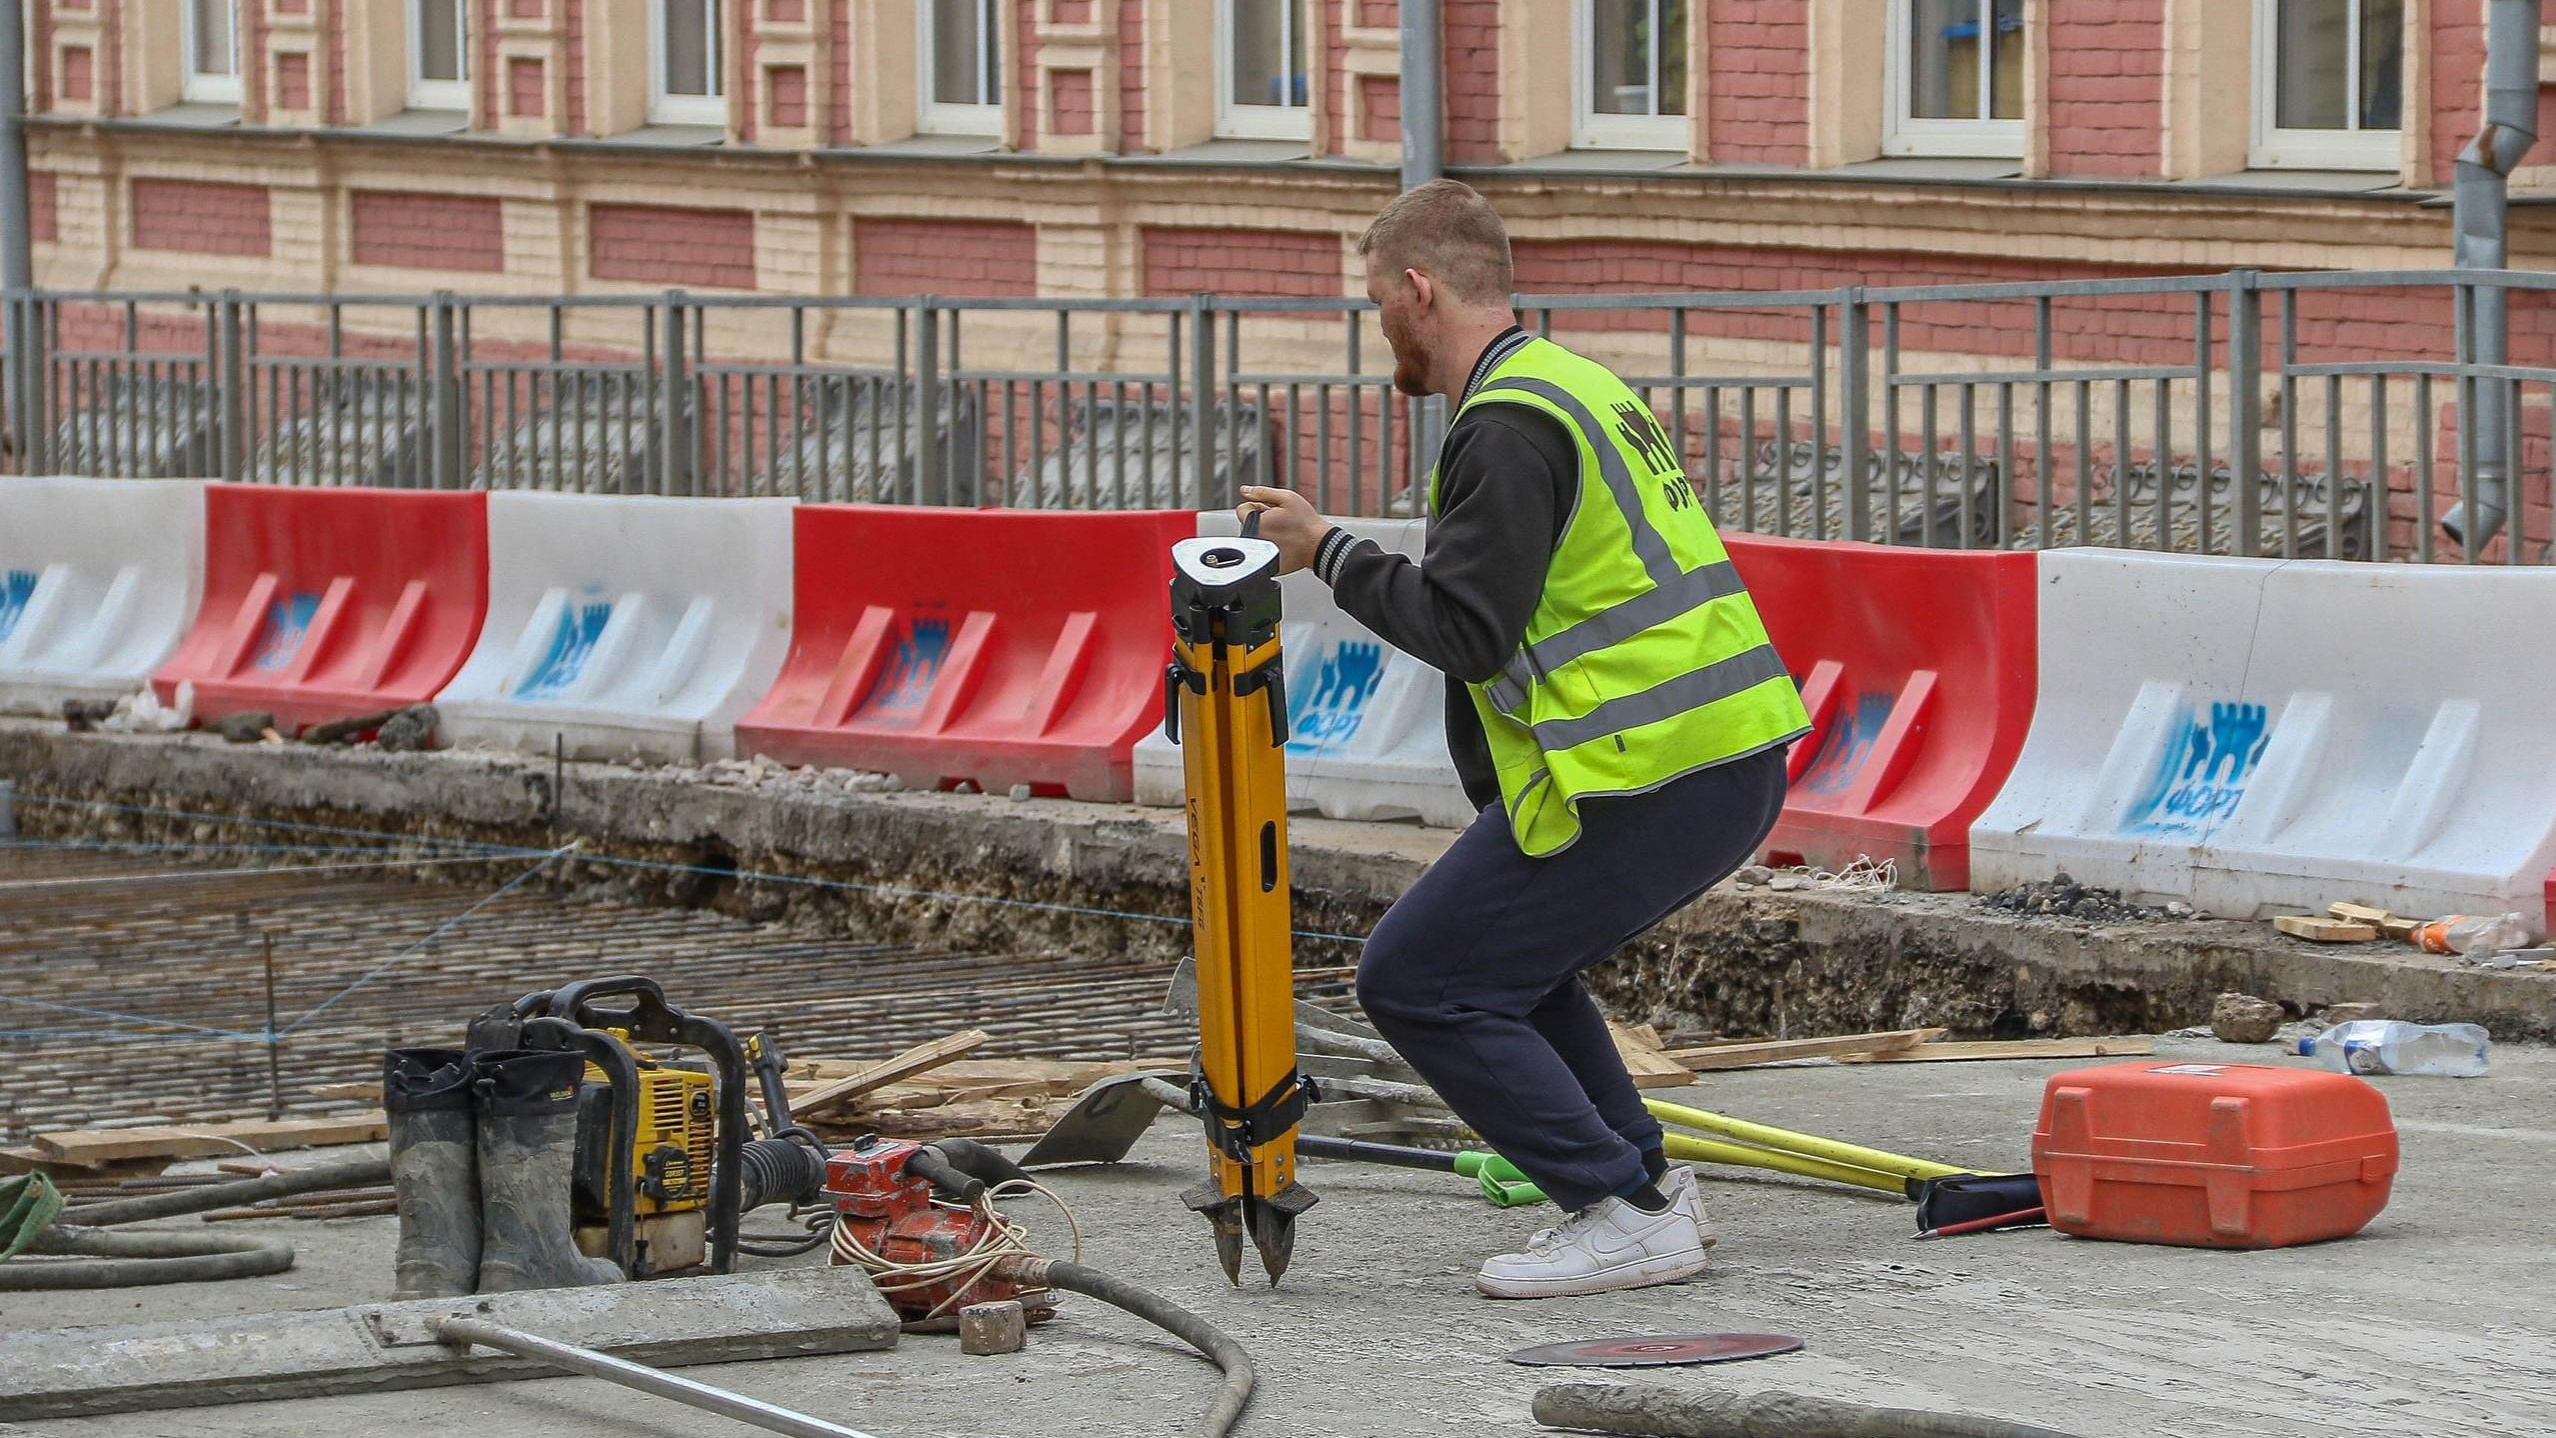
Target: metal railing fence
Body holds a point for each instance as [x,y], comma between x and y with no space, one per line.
[2324,414]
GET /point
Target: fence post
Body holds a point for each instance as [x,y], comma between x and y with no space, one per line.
[2245,409]
[443,396]
[230,384]
[929,483]
[1854,411]
[1202,400]
[674,417]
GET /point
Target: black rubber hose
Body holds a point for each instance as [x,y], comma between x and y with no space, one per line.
[1678,1413]
[1155,1309]
[125,1260]
[352,1173]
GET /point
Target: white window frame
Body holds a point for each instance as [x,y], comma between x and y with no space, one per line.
[1592,130]
[196,86]
[1907,134]
[2275,148]
[671,109]
[426,94]
[933,117]
[1238,121]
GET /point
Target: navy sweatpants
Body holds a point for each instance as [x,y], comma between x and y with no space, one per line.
[1475,973]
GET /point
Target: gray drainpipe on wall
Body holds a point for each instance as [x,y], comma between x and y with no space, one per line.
[2481,217]
[1424,109]
[17,244]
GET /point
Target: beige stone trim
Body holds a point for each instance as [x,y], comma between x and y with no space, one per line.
[616,68]
[2209,87]
[809,52]
[2036,90]
[292,33]
[154,60]
[1373,52]
[75,30]
[1055,58]
[1699,83]
[1849,86]
[886,88]
[542,37]
[2416,159]
[1180,73]
[376,59]
[1535,94]
[1015,76]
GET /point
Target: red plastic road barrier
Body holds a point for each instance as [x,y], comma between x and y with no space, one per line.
[991,646]
[320,604]
[1918,667]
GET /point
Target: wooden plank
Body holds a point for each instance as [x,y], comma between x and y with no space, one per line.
[1639,1047]
[2324,931]
[919,1059]
[2360,914]
[209,1140]
[1937,1053]
[1735,1056]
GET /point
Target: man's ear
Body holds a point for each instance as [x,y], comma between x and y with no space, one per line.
[1423,287]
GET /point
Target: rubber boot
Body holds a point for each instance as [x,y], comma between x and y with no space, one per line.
[527,1111]
[435,1170]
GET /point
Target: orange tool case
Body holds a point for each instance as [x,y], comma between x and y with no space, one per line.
[2212,1155]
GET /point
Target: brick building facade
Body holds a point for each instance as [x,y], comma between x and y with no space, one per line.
[1132,147]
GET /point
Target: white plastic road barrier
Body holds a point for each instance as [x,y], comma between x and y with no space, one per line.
[1368,734]
[99,580]
[624,626]
[2221,731]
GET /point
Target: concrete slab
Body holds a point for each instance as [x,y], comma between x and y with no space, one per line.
[2432,1322]
[384,1347]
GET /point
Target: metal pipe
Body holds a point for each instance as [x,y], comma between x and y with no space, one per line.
[17,244]
[468,1332]
[2481,217]
[1424,111]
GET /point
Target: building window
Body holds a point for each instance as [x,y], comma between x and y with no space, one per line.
[2329,82]
[210,34]
[684,82]
[1264,87]
[439,54]
[1956,77]
[1632,74]
[962,67]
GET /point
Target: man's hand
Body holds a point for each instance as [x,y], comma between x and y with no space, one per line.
[1288,520]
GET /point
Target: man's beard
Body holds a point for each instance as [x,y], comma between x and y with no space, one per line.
[1411,361]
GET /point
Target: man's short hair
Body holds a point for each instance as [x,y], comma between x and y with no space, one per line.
[1447,231]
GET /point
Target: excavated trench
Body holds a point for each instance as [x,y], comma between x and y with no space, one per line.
[983,874]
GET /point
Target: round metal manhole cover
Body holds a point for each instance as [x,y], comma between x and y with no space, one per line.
[1656,1352]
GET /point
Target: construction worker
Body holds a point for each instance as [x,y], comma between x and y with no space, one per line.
[1614,708]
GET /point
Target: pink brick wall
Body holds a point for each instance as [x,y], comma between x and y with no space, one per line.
[974,258]
[1025,93]
[201,217]
[1070,105]
[1241,262]
[252,42]
[333,54]
[427,232]
[43,214]
[292,81]
[2107,88]
[786,96]
[1472,40]
[526,88]
[1073,12]
[1378,14]
[1380,108]
[663,245]
[79,73]
[573,42]
[486,99]
[1757,81]
[41,94]
[840,111]
[1330,53]
[1131,76]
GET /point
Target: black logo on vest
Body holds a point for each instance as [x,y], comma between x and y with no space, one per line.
[1641,430]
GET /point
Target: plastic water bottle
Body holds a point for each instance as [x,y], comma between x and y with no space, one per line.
[2478,934]
[2389,1046]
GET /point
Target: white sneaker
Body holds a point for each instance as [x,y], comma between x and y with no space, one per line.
[1609,1246]
[1685,1194]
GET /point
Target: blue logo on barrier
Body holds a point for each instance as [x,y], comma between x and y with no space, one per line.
[571,645]
[912,668]
[287,621]
[17,588]
[1849,743]
[2202,776]
[1348,676]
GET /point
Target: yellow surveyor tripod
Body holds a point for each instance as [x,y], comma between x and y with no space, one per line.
[1225,704]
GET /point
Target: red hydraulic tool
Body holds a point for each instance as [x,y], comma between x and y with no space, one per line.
[1225,703]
